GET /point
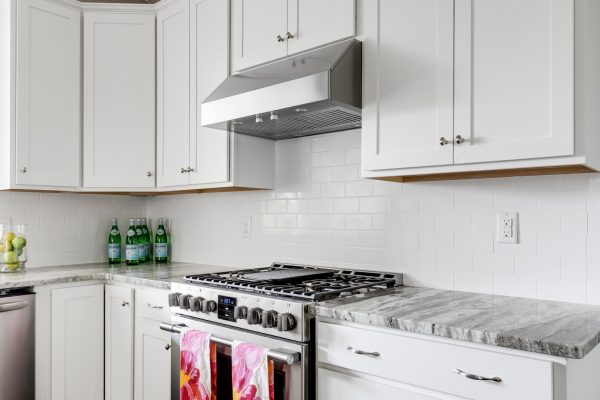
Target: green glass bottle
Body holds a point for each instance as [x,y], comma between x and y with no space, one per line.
[141,241]
[161,245]
[147,241]
[114,244]
[131,245]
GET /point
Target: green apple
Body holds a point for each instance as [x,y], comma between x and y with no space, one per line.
[10,257]
[12,267]
[5,246]
[9,236]
[19,242]
[19,252]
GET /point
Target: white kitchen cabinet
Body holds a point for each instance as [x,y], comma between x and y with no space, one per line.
[152,346]
[77,343]
[265,30]
[118,342]
[40,84]
[453,88]
[193,60]
[119,100]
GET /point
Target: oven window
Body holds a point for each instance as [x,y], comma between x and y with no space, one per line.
[224,384]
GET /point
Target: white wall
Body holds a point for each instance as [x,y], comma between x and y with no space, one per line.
[67,228]
[440,234]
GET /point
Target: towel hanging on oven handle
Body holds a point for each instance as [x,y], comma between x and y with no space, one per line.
[280,355]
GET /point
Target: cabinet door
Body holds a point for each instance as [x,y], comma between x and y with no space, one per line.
[314,23]
[152,361]
[118,333]
[173,93]
[408,83]
[209,148]
[77,343]
[336,385]
[256,25]
[119,100]
[514,79]
[48,139]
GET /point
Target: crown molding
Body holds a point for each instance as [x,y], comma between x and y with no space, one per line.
[122,8]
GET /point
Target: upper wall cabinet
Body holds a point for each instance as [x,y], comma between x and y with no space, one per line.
[193,59]
[40,101]
[265,30]
[119,100]
[475,85]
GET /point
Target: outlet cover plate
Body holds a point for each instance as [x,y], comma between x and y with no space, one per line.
[507,227]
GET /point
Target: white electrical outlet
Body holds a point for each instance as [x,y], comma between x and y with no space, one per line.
[508,227]
[246,227]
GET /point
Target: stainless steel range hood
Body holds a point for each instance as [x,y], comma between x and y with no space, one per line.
[319,91]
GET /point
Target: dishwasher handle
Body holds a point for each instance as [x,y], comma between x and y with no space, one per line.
[17,305]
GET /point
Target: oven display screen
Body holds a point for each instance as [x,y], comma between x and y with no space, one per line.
[225,308]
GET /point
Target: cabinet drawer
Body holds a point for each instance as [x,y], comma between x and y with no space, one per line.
[431,364]
[153,305]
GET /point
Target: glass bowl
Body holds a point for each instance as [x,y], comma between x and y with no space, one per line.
[13,247]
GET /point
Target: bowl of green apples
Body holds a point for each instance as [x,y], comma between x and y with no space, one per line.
[13,248]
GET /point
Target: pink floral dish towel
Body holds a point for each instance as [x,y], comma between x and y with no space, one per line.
[252,372]
[198,366]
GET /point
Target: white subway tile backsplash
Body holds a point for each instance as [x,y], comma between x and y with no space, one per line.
[440,234]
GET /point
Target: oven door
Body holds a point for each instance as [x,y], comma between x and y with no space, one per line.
[291,376]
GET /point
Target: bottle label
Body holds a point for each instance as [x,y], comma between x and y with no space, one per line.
[114,250]
[144,230]
[138,232]
[148,250]
[142,249]
[130,233]
[114,232]
[160,232]
[132,252]
[160,250]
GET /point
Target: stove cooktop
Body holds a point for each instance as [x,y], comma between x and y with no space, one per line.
[299,281]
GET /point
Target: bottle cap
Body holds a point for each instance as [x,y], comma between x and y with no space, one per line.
[114,221]
[143,221]
[161,221]
[131,221]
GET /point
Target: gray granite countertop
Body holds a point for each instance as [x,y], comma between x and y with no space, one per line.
[547,327]
[150,275]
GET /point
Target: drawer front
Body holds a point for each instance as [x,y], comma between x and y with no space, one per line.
[431,364]
[152,305]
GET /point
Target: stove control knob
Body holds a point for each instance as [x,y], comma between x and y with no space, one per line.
[174,299]
[286,322]
[184,301]
[269,319]
[255,316]
[209,306]
[196,303]
[240,312]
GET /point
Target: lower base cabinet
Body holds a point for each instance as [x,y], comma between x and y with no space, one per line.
[152,362]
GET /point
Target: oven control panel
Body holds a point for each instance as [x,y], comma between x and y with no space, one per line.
[264,314]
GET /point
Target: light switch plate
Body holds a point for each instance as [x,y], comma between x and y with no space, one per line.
[246,227]
[508,227]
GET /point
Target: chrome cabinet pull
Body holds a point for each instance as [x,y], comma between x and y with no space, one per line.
[154,307]
[280,38]
[167,347]
[460,139]
[290,35]
[148,174]
[125,304]
[476,377]
[363,353]
[190,169]
[183,170]
[443,141]
[24,169]
[13,306]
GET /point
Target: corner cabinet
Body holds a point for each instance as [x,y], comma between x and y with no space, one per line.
[477,85]
[192,61]
[119,100]
[40,80]
[266,30]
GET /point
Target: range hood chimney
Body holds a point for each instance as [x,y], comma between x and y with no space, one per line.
[316,92]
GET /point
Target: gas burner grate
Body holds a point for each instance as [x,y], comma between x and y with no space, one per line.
[299,281]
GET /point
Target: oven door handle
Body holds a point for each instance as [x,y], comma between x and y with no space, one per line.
[281,355]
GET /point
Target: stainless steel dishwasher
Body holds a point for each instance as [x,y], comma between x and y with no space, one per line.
[17,344]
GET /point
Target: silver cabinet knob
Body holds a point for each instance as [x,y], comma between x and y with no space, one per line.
[167,347]
[460,139]
[290,35]
[190,169]
[280,38]
[125,304]
[443,141]
[148,174]
[24,169]
[183,170]
[476,377]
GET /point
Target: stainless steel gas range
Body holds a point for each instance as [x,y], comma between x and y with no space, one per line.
[267,307]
